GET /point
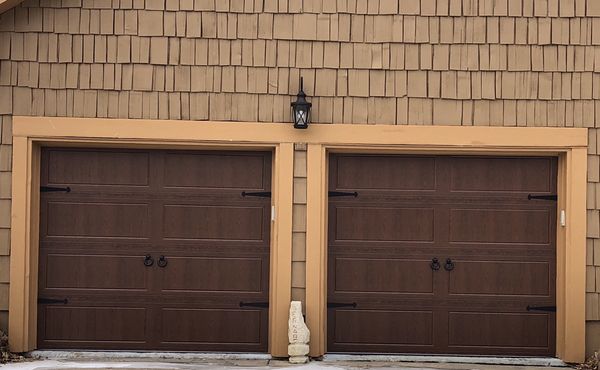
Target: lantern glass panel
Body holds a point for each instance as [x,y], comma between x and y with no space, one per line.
[301,116]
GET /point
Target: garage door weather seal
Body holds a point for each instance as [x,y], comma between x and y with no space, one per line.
[104,355]
[485,360]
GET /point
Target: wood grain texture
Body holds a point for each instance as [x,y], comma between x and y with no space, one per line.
[94,240]
[502,248]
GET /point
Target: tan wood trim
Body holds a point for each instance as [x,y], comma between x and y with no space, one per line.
[316,254]
[574,259]
[29,132]
[25,210]
[281,254]
[570,239]
[20,278]
[330,134]
[34,232]
[7,4]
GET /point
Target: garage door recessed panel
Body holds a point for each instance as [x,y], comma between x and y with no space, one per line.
[97,167]
[95,324]
[91,220]
[213,222]
[385,172]
[498,329]
[383,275]
[500,278]
[214,274]
[501,174]
[384,224]
[211,326]
[383,327]
[500,226]
[94,272]
[214,171]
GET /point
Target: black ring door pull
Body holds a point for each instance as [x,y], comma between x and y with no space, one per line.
[148,260]
[449,266]
[435,264]
[162,261]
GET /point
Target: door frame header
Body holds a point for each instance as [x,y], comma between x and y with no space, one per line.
[569,144]
[571,150]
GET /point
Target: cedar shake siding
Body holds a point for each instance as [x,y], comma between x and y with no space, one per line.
[392,62]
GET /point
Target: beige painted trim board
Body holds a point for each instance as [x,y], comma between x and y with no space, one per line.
[572,152]
[569,144]
[7,4]
[25,209]
[330,134]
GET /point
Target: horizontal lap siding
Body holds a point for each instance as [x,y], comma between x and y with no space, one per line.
[443,62]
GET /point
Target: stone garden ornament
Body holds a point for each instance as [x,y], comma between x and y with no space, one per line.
[299,335]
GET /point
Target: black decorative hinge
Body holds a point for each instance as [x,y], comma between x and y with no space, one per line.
[260,194]
[52,189]
[543,197]
[255,304]
[542,308]
[343,194]
[341,305]
[52,301]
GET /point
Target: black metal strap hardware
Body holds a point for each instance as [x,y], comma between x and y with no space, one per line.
[449,266]
[162,261]
[148,261]
[343,194]
[542,308]
[340,305]
[260,194]
[543,197]
[255,304]
[52,301]
[435,264]
[52,189]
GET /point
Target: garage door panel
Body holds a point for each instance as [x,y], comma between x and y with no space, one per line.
[94,324]
[213,222]
[215,171]
[378,275]
[97,167]
[91,220]
[500,226]
[211,326]
[381,172]
[387,328]
[499,329]
[496,251]
[501,278]
[384,224]
[185,206]
[502,174]
[214,274]
[103,272]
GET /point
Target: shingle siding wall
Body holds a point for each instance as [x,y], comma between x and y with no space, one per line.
[443,62]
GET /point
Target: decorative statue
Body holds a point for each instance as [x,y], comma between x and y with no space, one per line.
[298,334]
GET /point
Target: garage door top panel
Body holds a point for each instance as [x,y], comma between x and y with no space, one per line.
[452,174]
[178,169]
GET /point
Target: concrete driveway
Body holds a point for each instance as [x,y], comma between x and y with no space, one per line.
[249,364]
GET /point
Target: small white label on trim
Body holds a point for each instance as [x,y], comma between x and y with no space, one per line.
[272,213]
[563,218]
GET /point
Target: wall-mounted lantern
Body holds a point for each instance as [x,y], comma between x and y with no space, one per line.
[301,109]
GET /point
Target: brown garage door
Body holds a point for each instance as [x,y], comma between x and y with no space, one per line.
[491,289]
[154,250]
